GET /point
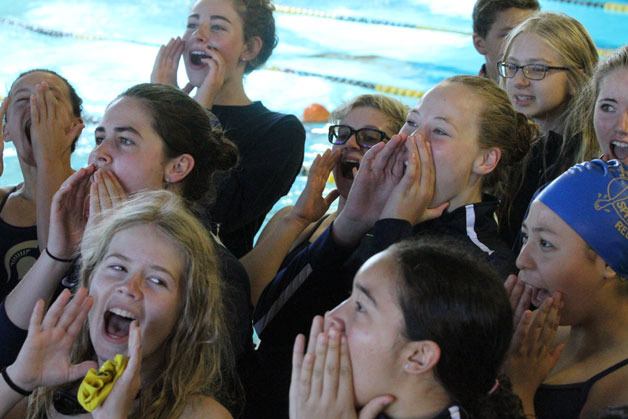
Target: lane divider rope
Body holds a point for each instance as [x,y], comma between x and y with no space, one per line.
[318,13]
[399,91]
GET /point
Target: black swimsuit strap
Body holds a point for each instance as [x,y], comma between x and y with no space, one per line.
[4,200]
[607,371]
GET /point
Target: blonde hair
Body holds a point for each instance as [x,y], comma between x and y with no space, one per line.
[394,110]
[197,353]
[573,44]
[584,105]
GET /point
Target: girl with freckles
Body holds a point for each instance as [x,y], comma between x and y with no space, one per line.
[223,41]
[155,297]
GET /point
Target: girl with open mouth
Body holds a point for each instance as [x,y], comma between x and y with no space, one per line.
[223,41]
[155,297]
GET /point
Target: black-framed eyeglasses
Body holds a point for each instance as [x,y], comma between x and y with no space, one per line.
[365,137]
[530,71]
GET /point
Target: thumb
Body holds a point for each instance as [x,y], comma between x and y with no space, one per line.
[375,407]
[79,370]
[432,213]
[331,197]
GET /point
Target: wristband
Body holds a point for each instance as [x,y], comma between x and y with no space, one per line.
[58,259]
[14,386]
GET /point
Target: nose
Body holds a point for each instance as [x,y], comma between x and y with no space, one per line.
[519,79]
[101,155]
[336,317]
[132,287]
[623,123]
[201,33]
[525,260]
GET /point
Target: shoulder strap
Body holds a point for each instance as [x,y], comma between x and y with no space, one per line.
[606,372]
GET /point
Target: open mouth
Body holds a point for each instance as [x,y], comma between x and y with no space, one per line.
[539,295]
[619,149]
[347,166]
[523,100]
[197,56]
[117,323]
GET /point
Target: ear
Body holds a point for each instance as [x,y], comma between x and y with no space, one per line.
[178,168]
[479,44]
[486,161]
[421,357]
[252,47]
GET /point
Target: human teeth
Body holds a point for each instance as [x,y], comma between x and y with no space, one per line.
[122,313]
[620,144]
[196,56]
[619,150]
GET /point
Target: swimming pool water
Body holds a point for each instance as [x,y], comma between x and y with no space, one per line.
[129,34]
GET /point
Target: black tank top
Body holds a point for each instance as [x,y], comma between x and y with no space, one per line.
[18,251]
[565,401]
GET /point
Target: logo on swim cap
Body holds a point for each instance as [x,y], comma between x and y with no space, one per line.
[616,198]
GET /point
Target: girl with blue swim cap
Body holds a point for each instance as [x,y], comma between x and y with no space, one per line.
[575,258]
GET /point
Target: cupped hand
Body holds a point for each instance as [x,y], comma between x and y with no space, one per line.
[167,62]
[411,197]
[533,353]
[44,359]
[311,205]
[379,173]
[520,296]
[120,401]
[322,379]
[106,191]
[214,80]
[53,130]
[68,215]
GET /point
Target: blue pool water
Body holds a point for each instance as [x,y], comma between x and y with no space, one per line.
[128,34]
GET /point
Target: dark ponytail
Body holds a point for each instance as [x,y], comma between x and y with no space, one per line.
[448,296]
[185,128]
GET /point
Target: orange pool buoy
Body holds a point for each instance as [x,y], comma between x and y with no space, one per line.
[315,113]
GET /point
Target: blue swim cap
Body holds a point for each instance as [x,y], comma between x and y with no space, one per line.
[592,198]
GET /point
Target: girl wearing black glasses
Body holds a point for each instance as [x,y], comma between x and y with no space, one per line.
[358,125]
[547,60]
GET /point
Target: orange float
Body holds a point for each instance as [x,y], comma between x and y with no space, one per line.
[315,113]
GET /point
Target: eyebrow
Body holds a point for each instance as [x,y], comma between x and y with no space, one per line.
[607,99]
[154,267]
[24,89]
[532,60]
[120,129]
[366,292]
[538,229]
[212,17]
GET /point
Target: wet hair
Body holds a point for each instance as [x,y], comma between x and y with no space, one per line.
[75,99]
[185,128]
[394,111]
[584,105]
[485,12]
[197,356]
[501,126]
[573,44]
[448,296]
[257,20]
